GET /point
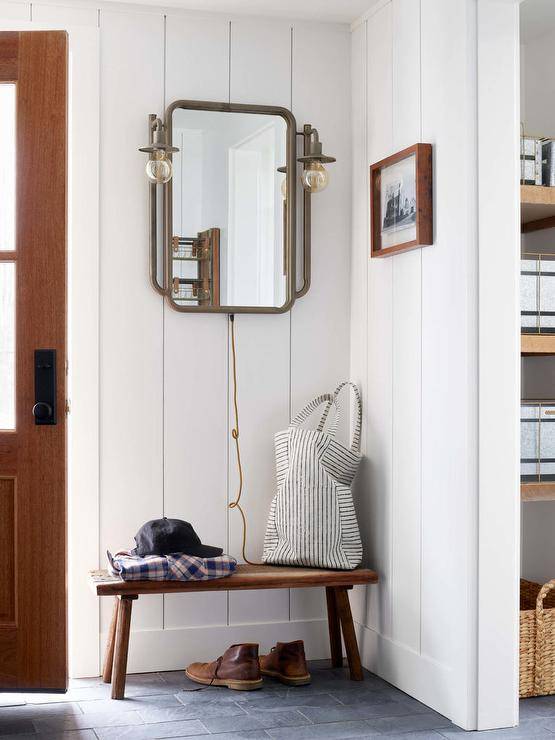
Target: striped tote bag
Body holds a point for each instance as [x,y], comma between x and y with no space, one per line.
[312,520]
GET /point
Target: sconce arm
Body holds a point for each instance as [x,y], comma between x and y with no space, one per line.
[306,133]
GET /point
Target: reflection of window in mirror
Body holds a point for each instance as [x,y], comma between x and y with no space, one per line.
[225,177]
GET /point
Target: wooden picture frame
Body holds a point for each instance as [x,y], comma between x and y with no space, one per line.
[407,201]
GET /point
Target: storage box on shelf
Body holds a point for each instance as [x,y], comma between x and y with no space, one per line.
[537,303]
[537,207]
[537,450]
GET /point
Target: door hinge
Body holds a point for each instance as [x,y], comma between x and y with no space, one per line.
[68,406]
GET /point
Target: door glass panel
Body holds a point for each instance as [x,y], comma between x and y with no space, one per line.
[7,345]
[7,171]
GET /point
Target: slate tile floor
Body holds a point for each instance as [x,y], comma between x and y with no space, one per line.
[159,705]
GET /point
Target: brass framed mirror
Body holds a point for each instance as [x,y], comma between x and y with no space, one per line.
[223,205]
[230,213]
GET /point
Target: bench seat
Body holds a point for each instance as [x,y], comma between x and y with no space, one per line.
[246,577]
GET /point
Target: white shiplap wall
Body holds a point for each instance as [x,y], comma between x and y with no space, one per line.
[164,388]
[423,70]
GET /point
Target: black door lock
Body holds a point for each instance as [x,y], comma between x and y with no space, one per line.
[44,409]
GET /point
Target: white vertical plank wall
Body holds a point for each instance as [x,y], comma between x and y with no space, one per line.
[131,329]
[263,342]
[417,316]
[415,493]
[407,350]
[14,11]
[320,320]
[164,388]
[195,349]
[499,349]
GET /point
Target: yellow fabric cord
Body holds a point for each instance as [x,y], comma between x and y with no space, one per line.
[235,434]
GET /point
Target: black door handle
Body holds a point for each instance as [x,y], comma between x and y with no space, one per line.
[44,409]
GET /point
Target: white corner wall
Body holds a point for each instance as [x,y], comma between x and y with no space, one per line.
[441,528]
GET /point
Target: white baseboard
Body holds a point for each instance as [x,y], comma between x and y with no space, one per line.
[420,677]
[173,649]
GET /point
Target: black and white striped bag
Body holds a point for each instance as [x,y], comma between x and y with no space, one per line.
[312,520]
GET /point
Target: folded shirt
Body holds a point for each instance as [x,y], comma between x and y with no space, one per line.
[176,567]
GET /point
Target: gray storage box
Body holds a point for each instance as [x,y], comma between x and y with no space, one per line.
[537,293]
[548,162]
[537,441]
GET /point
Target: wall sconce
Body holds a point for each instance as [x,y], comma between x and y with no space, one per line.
[159,168]
[314,179]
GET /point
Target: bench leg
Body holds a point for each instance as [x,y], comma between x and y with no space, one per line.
[349,636]
[334,629]
[122,646]
[109,654]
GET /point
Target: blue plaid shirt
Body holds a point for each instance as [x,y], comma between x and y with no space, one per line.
[176,567]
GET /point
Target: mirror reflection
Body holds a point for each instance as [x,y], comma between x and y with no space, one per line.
[228,242]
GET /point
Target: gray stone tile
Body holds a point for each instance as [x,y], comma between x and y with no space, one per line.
[423,735]
[350,698]
[70,735]
[295,699]
[409,723]
[548,724]
[188,728]
[11,700]
[34,711]
[190,711]
[85,694]
[255,720]
[366,697]
[223,694]
[330,731]
[339,713]
[15,727]
[531,729]
[129,704]
[85,683]
[86,721]
[537,706]
[241,735]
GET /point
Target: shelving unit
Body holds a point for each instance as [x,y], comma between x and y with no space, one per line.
[537,212]
[537,207]
[537,344]
[537,491]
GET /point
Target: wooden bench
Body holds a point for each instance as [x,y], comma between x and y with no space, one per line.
[246,577]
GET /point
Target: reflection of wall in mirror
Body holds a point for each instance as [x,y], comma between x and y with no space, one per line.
[206,195]
[255,239]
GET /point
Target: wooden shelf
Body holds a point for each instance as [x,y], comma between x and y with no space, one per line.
[537,344]
[537,207]
[537,491]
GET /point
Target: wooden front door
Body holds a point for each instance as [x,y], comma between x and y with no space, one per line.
[33,175]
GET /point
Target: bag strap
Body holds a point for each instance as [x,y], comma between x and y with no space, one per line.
[311,407]
[355,443]
[541,637]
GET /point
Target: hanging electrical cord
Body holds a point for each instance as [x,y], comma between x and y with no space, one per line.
[235,434]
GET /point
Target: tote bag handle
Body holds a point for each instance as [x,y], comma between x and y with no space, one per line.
[311,407]
[355,444]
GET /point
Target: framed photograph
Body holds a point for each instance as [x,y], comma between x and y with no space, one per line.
[401,201]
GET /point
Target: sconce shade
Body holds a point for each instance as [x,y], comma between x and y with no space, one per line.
[158,136]
[315,151]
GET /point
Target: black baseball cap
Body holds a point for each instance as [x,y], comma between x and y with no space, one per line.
[166,536]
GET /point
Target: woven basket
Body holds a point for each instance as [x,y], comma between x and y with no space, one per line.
[537,638]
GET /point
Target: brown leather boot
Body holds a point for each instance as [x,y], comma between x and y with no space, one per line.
[237,668]
[287,663]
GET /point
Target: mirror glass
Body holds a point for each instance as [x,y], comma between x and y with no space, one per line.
[228,245]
